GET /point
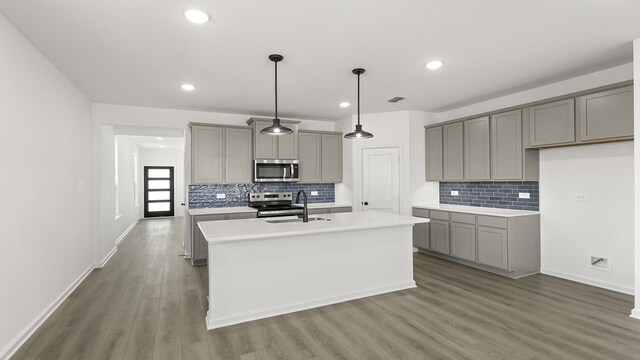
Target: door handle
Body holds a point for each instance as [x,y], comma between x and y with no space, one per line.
[365,203]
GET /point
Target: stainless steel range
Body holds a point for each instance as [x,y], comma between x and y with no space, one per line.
[274,204]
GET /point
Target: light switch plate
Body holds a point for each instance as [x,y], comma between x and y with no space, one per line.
[580,197]
[454,192]
[524,195]
[221,196]
[314,193]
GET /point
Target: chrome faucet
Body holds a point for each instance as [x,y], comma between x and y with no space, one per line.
[305,214]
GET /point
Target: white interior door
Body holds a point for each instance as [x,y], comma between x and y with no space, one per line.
[380,180]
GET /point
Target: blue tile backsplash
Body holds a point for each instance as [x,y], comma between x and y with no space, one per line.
[204,196]
[492,194]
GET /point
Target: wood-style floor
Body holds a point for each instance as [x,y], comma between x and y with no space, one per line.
[149,303]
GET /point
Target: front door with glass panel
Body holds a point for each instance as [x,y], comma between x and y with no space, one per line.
[158,191]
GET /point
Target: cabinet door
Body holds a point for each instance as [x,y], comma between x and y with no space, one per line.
[199,246]
[605,115]
[265,146]
[453,151]
[476,149]
[463,241]
[433,148]
[421,231]
[238,155]
[288,144]
[492,247]
[331,158]
[552,123]
[439,236]
[207,146]
[506,146]
[309,153]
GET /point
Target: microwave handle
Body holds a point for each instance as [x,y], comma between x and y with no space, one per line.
[291,171]
[284,173]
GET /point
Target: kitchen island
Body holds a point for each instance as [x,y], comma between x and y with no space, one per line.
[271,266]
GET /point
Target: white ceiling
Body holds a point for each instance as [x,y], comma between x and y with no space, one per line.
[139,52]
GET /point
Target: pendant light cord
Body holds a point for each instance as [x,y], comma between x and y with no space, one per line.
[276,63]
[358,99]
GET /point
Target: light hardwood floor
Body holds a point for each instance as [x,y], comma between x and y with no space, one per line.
[149,303]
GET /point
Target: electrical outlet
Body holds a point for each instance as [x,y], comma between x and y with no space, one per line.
[221,196]
[81,186]
[314,193]
[524,195]
[580,197]
[454,192]
[600,263]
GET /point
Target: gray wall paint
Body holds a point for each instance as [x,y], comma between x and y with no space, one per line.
[494,194]
[204,196]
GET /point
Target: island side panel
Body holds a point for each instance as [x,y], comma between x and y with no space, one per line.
[255,279]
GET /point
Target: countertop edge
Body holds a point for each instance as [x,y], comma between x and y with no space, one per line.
[499,212]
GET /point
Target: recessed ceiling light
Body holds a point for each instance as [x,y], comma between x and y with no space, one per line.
[162,146]
[188,87]
[197,16]
[434,65]
[159,138]
[344,104]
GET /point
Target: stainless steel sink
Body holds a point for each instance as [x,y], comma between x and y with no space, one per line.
[296,220]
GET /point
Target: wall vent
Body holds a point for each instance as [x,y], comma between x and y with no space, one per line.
[395,99]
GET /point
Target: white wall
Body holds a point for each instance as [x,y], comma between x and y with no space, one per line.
[636,161]
[45,142]
[129,210]
[165,157]
[572,231]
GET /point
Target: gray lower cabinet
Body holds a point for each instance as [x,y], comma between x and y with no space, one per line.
[421,231]
[493,247]
[207,157]
[274,147]
[439,236]
[506,146]
[477,164]
[606,115]
[508,246]
[453,151]
[310,157]
[463,241]
[341,209]
[331,159]
[433,156]
[199,246]
[552,123]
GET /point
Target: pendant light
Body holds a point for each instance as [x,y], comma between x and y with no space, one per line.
[276,128]
[358,133]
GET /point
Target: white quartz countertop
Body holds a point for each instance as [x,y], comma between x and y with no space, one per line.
[241,209]
[477,210]
[259,228]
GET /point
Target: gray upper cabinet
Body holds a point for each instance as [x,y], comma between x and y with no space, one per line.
[552,123]
[433,156]
[331,159]
[463,241]
[476,149]
[606,115]
[274,146]
[453,154]
[207,146]
[309,155]
[238,155]
[506,146]
[439,236]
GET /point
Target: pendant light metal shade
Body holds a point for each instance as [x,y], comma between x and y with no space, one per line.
[276,128]
[358,133]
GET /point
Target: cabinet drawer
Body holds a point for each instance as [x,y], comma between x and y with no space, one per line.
[336,210]
[463,218]
[492,221]
[423,213]
[439,215]
[247,215]
[317,211]
[198,218]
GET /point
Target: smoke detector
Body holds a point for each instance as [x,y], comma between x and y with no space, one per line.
[395,99]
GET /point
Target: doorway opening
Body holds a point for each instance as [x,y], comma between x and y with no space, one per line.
[158,191]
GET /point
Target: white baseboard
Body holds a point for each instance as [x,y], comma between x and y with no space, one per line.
[635,313]
[101,264]
[585,280]
[126,232]
[28,331]
[237,319]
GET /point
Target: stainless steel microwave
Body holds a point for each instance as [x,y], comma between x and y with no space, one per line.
[276,171]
